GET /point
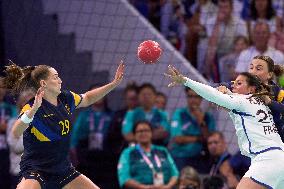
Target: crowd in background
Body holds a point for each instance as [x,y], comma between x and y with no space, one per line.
[219,38]
[185,149]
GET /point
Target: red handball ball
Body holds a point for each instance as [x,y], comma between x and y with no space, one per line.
[149,52]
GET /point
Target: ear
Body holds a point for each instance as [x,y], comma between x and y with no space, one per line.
[270,75]
[42,83]
[252,89]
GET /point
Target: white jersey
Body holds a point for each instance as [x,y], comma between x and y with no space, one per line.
[254,126]
[253,121]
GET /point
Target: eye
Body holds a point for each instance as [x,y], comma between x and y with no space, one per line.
[239,83]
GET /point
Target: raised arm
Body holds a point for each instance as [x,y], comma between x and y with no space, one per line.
[209,93]
[27,115]
[90,97]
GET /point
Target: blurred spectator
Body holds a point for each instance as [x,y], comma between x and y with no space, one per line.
[221,31]
[154,15]
[262,10]
[278,6]
[277,41]
[220,159]
[147,111]
[115,140]
[161,100]
[7,111]
[201,10]
[145,165]
[189,131]
[88,143]
[214,182]
[16,146]
[260,46]
[217,148]
[228,62]
[173,25]
[189,179]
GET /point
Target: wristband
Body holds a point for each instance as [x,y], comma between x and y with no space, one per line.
[26,119]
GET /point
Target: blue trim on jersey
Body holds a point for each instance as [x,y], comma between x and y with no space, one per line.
[244,127]
[45,130]
[261,183]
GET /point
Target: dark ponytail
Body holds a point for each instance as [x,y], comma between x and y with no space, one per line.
[19,79]
[261,89]
[278,70]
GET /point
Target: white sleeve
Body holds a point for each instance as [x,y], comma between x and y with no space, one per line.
[213,95]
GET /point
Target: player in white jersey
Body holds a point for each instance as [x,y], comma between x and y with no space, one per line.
[257,135]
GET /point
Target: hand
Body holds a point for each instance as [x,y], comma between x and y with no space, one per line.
[119,73]
[177,78]
[223,89]
[38,98]
[266,99]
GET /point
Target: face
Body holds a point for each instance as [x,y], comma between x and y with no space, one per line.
[259,68]
[261,5]
[161,102]
[131,99]
[240,45]
[261,35]
[226,8]
[216,145]
[147,97]
[193,99]
[143,133]
[53,82]
[241,86]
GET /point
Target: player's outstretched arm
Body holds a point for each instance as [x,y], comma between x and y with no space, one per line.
[27,116]
[90,97]
[205,91]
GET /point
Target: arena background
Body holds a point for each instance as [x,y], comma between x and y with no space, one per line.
[85,40]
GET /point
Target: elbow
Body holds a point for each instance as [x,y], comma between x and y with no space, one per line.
[15,133]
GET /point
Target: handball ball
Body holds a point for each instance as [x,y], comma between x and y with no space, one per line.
[281,81]
[149,52]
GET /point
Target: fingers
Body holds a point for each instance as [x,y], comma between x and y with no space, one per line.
[175,70]
[172,84]
[171,71]
[168,75]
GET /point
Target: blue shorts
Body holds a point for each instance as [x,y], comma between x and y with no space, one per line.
[51,181]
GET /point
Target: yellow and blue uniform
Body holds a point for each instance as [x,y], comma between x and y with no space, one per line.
[46,141]
[277,108]
[132,166]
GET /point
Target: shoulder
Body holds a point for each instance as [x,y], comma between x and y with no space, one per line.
[128,150]
[160,148]
[179,110]
[280,96]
